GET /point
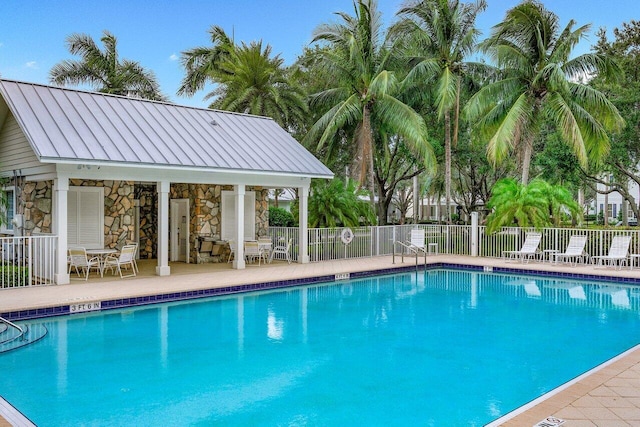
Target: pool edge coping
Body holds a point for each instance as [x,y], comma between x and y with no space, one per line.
[551,393]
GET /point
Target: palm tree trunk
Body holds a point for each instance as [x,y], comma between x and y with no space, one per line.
[526,160]
[367,152]
[447,163]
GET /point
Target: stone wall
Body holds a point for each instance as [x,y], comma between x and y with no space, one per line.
[147,197]
[206,212]
[119,224]
[37,199]
[119,210]
[120,198]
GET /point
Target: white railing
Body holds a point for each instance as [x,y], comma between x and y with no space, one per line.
[27,261]
[325,243]
[556,239]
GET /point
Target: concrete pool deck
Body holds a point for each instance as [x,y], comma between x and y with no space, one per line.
[609,395]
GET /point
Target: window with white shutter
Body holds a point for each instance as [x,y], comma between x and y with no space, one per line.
[229,215]
[85,217]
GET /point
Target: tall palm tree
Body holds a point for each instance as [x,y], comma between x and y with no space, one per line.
[444,31]
[252,81]
[104,70]
[202,63]
[248,78]
[539,81]
[365,95]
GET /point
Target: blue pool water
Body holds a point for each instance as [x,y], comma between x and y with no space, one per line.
[430,348]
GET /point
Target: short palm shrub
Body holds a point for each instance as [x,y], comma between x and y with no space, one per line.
[12,276]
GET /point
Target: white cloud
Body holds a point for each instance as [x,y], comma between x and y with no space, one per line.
[173,56]
[31,64]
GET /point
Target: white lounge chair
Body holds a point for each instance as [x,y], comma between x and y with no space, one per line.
[528,250]
[575,251]
[78,259]
[416,245]
[618,253]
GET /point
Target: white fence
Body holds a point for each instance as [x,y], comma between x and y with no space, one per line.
[325,243]
[27,261]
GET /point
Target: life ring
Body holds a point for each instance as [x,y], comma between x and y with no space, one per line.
[346,235]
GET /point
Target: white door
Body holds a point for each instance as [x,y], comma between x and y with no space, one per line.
[180,230]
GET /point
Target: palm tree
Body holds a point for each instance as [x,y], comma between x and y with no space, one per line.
[248,79]
[252,81]
[334,204]
[539,81]
[537,204]
[202,63]
[445,32]
[104,70]
[364,98]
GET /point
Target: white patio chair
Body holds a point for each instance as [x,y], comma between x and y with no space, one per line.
[618,253]
[125,259]
[282,250]
[135,255]
[528,250]
[252,251]
[575,250]
[265,244]
[78,259]
[232,248]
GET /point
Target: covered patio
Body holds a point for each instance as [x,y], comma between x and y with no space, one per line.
[84,165]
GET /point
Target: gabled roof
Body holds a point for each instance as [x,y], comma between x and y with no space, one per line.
[69,126]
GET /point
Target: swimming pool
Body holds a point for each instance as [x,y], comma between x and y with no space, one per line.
[443,347]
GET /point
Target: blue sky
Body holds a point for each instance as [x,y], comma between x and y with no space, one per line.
[33,32]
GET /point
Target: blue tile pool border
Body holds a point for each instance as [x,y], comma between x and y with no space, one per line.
[113,304]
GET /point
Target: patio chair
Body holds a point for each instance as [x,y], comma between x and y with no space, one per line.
[282,250]
[78,259]
[575,250]
[135,255]
[528,250]
[618,253]
[252,252]
[232,249]
[125,259]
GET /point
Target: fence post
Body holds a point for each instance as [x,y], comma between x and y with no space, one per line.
[474,233]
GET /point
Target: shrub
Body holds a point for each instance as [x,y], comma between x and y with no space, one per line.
[12,276]
[279,217]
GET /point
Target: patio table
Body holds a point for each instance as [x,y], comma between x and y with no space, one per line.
[101,254]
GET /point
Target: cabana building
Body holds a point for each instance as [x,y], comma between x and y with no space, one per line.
[99,170]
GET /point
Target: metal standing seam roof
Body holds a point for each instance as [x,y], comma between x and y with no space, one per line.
[68,125]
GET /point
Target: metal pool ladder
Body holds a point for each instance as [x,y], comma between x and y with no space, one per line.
[13,336]
[20,335]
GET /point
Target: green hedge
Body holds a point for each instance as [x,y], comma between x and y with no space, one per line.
[12,276]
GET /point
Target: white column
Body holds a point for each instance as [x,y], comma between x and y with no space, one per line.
[238,258]
[163,269]
[416,200]
[303,212]
[474,234]
[61,188]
